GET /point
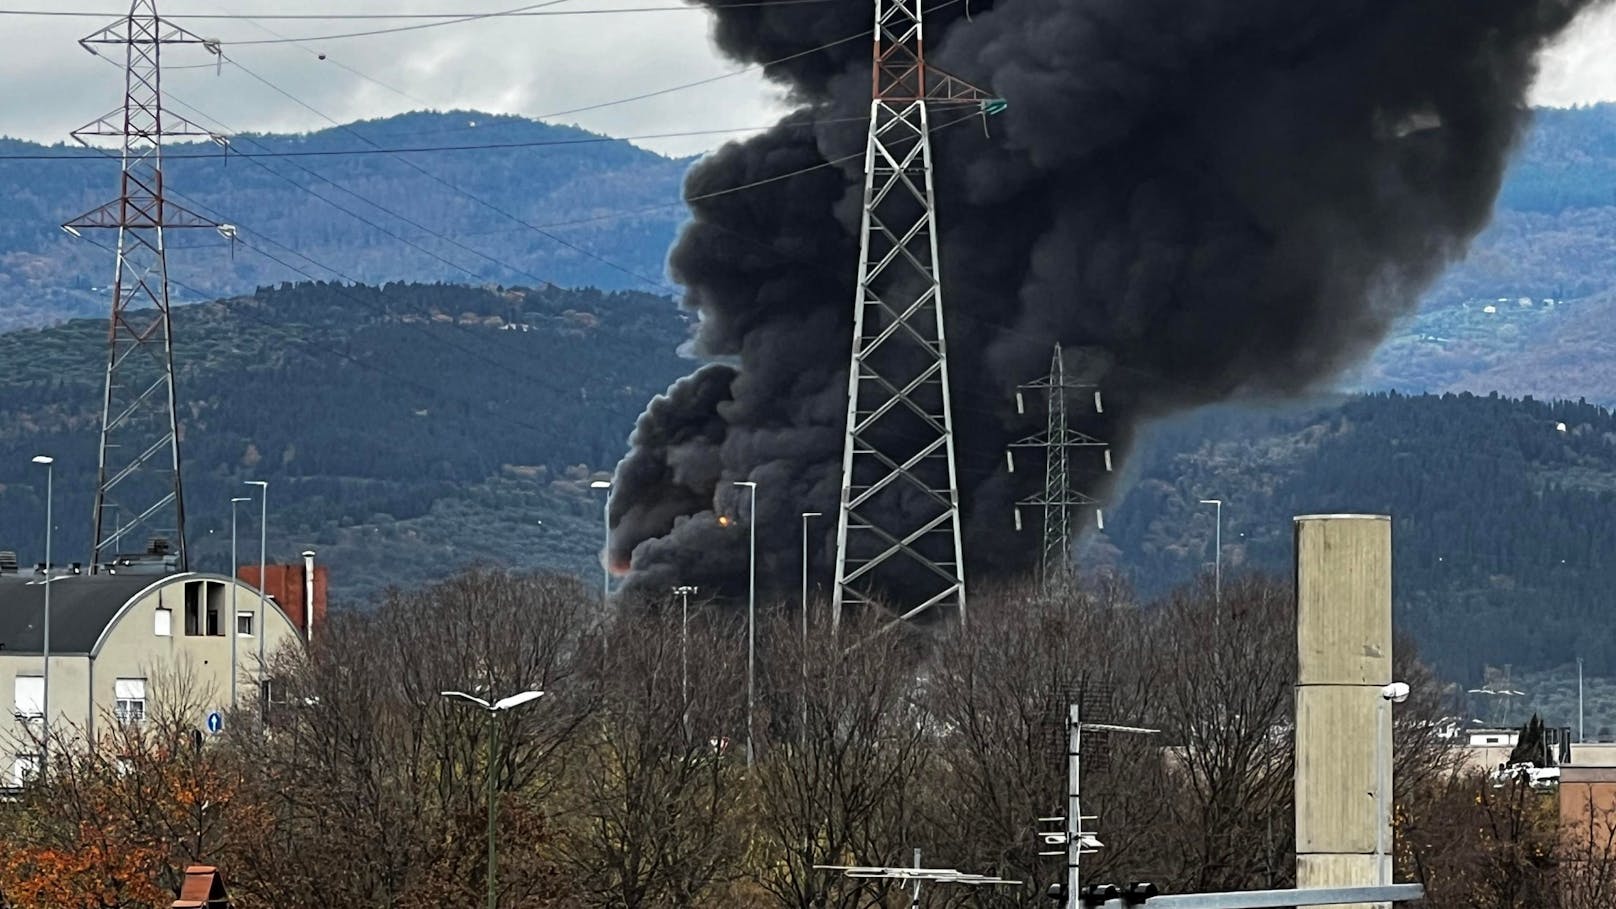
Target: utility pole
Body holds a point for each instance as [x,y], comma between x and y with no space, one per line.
[1057,441]
[898,523]
[139,468]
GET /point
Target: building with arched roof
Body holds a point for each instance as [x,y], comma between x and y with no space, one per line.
[113,637]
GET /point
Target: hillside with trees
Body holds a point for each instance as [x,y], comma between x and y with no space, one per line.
[1504,524]
[404,430]
[493,198]
[458,196]
[411,429]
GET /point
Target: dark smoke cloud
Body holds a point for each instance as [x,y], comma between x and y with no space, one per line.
[1199,198]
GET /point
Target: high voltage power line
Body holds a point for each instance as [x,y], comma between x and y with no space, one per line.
[413,149]
[523,13]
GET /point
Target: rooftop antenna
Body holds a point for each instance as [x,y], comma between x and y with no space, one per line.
[139,467]
[898,524]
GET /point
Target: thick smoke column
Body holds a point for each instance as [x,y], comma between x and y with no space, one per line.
[1199,198]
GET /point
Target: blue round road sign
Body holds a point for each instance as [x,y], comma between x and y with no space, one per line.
[215,722]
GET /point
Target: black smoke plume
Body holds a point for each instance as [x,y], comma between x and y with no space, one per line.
[1200,199]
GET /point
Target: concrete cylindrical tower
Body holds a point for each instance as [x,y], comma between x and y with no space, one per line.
[1343,730]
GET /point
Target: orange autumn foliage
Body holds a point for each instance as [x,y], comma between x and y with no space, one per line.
[100,869]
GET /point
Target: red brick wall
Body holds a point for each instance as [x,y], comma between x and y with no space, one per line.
[285,584]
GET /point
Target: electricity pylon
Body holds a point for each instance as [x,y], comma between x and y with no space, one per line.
[139,468]
[898,526]
[1057,441]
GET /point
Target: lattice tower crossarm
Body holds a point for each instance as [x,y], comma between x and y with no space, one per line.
[138,474]
[898,530]
[1060,496]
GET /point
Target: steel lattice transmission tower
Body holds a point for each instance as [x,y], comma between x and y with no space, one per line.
[1058,440]
[139,472]
[898,528]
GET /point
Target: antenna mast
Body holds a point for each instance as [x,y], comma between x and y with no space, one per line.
[1057,441]
[139,468]
[898,526]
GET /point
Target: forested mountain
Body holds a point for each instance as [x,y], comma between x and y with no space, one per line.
[404,430]
[1529,312]
[510,200]
[410,429]
[499,199]
[1504,525]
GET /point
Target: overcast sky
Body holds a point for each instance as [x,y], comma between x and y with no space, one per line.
[536,66]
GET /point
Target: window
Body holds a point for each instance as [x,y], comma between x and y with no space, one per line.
[24,769]
[129,700]
[193,608]
[29,700]
[244,624]
[164,624]
[215,603]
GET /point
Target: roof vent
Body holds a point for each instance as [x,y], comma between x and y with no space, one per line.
[8,562]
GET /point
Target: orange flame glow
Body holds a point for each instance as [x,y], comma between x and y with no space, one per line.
[723,520]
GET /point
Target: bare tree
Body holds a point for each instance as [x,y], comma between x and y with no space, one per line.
[377,784]
[845,778]
[654,802]
[1001,691]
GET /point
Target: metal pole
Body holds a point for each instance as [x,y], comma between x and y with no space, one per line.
[232,626]
[1074,807]
[606,556]
[914,899]
[50,495]
[1382,768]
[1217,563]
[751,625]
[1579,701]
[493,733]
[263,569]
[684,592]
[802,732]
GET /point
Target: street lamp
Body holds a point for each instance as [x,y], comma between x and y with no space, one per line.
[751,616]
[1395,693]
[684,592]
[234,583]
[606,547]
[804,731]
[44,698]
[263,566]
[1217,576]
[503,704]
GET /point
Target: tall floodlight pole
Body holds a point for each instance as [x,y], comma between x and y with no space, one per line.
[263,567]
[1217,545]
[751,616]
[898,524]
[1057,440]
[44,697]
[235,680]
[802,734]
[683,592]
[139,466]
[493,709]
[606,546]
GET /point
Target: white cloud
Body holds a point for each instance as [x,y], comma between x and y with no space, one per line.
[533,66]
[1579,69]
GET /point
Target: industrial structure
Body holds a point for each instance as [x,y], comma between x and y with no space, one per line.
[139,469]
[898,526]
[1058,440]
[1343,724]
